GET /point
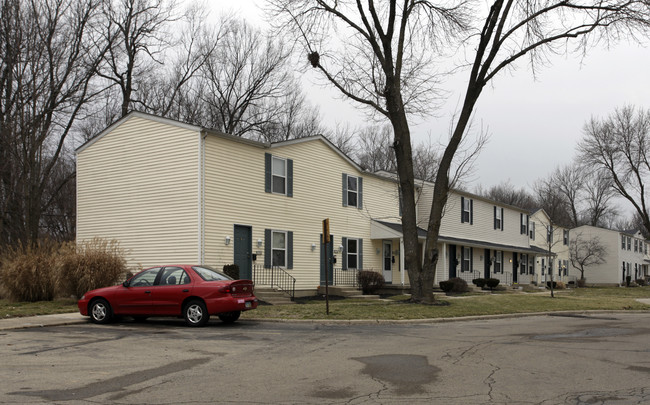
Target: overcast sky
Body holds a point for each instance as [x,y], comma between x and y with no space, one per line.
[533,124]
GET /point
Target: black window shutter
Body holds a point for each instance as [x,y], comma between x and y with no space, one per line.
[495,217]
[521,221]
[289,250]
[462,209]
[471,259]
[360,192]
[289,177]
[345,190]
[267,248]
[471,212]
[344,254]
[267,172]
[360,249]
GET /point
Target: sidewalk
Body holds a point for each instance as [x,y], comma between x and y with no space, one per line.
[42,321]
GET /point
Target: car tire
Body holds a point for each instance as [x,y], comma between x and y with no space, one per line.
[100,311]
[196,313]
[229,317]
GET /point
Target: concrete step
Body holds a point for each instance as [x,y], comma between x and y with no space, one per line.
[272,296]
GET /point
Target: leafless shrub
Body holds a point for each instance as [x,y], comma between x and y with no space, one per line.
[28,273]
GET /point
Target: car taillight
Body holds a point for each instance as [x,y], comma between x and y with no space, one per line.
[226,290]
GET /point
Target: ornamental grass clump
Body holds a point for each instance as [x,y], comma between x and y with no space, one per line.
[92,264]
[28,273]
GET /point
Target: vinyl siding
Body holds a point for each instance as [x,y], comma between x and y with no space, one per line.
[139,184]
[235,194]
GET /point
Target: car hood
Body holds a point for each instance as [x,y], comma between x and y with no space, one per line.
[104,291]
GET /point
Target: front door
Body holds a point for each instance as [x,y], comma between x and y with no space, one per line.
[243,251]
[388,261]
[327,261]
[488,263]
[515,266]
[453,262]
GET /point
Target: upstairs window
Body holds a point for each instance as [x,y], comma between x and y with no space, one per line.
[636,245]
[352,191]
[565,235]
[629,243]
[498,218]
[467,210]
[524,224]
[532,231]
[623,242]
[278,175]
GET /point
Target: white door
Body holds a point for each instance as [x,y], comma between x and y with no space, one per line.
[388,261]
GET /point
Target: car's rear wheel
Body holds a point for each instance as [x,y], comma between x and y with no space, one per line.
[229,317]
[195,313]
[100,311]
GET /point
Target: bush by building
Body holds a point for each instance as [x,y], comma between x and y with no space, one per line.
[454,285]
[370,281]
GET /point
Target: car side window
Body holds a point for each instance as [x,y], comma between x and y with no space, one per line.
[174,276]
[144,279]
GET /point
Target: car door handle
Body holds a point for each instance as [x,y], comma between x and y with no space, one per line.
[186,290]
[147,292]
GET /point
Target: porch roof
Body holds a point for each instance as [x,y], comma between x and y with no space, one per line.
[389,230]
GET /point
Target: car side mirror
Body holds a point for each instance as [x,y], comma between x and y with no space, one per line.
[126,283]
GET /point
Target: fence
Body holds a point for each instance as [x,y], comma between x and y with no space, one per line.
[275,277]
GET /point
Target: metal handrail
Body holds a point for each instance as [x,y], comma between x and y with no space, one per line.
[275,277]
[347,277]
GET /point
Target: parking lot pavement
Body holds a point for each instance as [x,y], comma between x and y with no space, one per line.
[42,321]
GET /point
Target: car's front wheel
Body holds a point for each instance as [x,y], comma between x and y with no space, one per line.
[195,313]
[100,311]
[229,317]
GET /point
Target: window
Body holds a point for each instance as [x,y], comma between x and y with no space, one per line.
[565,234]
[144,279]
[531,265]
[636,245]
[524,224]
[532,231]
[174,276]
[278,175]
[278,248]
[623,242]
[352,253]
[523,266]
[352,191]
[466,263]
[208,274]
[498,261]
[498,218]
[549,234]
[629,243]
[467,208]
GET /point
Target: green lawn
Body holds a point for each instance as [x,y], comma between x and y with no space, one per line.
[610,298]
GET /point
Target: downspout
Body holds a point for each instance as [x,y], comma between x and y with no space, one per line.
[201,197]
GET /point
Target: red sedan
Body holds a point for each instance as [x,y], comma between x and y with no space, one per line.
[192,292]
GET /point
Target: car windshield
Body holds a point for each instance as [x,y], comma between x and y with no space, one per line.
[209,274]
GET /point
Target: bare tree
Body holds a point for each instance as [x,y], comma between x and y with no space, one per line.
[618,145]
[585,252]
[599,195]
[553,202]
[136,30]
[50,54]
[507,193]
[569,182]
[375,148]
[382,55]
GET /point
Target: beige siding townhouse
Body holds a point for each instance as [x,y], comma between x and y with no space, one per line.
[177,193]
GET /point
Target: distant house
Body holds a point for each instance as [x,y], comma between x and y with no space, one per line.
[553,244]
[627,255]
[177,193]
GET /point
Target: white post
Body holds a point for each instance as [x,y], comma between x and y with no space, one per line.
[401,260]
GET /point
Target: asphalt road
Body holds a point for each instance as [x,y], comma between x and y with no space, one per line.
[581,359]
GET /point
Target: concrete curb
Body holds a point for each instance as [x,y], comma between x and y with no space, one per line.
[76,318]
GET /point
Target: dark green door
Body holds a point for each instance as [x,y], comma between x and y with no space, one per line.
[327,259]
[453,262]
[243,251]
